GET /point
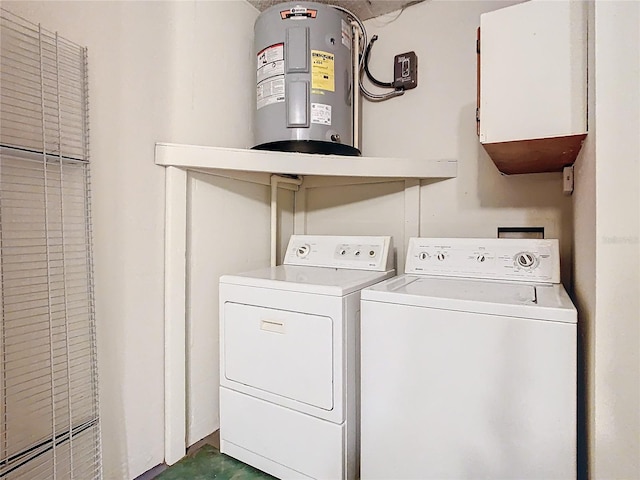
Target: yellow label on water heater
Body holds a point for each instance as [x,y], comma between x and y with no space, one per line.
[322,71]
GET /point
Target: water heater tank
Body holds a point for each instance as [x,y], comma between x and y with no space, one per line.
[304,81]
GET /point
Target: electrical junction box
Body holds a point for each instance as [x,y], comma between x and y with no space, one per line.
[405,71]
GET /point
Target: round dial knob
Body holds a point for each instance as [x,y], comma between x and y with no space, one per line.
[526,260]
[302,251]
[481,258]
[423,255]
[440,256]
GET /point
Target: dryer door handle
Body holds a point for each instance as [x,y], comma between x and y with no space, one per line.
[272,326]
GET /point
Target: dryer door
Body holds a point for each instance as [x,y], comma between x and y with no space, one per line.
[286,353]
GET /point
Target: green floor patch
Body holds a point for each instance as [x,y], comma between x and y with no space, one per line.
[207,464]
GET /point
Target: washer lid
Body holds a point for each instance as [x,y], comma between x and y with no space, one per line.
[318,280]
[542,302]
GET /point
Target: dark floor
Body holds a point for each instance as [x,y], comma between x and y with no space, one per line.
[208,463]
[205,462]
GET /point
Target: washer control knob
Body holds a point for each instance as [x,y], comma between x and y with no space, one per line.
[423,256]
[481,258]
[526,260]
[372,253]
[302,251]
[342,251]
[441,256]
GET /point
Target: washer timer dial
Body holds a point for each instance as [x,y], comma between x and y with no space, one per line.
[526,260]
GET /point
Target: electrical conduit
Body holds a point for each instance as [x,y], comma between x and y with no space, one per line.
[275,180]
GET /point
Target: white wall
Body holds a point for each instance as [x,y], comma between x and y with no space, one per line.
[617,322]
[584,267]
[365,209]
[607,235]
[157,72]
[437,120]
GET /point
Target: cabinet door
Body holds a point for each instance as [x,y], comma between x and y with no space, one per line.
[533,66]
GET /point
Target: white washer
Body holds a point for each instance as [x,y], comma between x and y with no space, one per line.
[469,364]
[289,356]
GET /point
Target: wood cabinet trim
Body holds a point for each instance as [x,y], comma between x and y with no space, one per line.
[536,155]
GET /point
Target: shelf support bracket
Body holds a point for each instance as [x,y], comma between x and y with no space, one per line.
[175,270]
[411,217]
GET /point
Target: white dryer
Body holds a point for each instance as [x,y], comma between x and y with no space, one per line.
[469,364]
[289,356]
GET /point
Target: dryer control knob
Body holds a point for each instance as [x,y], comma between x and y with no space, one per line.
[423,256]
[302,251]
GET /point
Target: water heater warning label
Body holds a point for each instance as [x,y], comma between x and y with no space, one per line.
[270,76]
[270,62]
[270,91]
[321,113]
[322,71]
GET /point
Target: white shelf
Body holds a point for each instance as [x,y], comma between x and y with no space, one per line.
[216,158]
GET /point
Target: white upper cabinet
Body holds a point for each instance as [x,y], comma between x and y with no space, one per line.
[533,84]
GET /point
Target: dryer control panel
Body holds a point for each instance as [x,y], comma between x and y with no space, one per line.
[529,260]
[348,252]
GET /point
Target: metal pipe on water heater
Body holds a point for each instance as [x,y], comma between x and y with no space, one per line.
[355,91]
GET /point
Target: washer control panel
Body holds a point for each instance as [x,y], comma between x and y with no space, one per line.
[350,252]
[528,260]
